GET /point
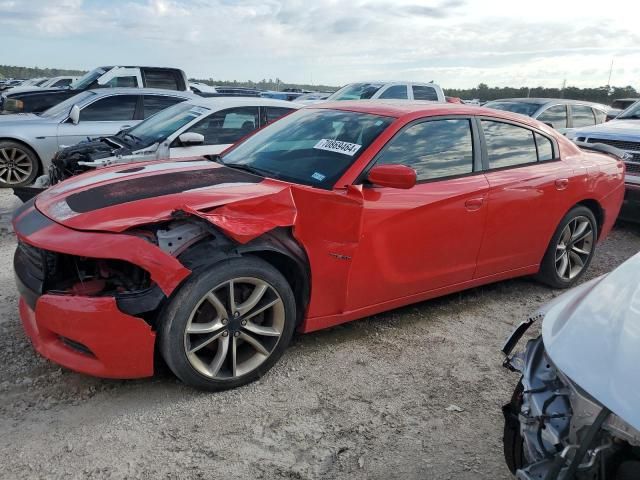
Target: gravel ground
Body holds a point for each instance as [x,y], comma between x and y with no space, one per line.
[370,399]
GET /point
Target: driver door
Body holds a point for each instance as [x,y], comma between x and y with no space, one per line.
[427,237]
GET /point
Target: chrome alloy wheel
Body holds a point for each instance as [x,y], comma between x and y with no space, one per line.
[15,166]
[234,328]
[574,247]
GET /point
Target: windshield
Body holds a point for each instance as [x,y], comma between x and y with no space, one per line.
[357,91]
[88,78]
[310,147]
[633,112]
[167,121]
[63,108]
[523,108]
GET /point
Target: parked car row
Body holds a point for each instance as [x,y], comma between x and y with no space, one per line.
[265,218]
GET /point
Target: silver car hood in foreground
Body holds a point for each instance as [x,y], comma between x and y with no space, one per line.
[592,334]
[613,129]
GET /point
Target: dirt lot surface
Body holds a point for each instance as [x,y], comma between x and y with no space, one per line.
[371,399]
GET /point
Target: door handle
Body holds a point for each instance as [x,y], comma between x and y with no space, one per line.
[562,183]
[474,204]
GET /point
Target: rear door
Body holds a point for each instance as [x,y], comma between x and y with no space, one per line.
[427,237]
[103,117]
[220,130]
[527,183]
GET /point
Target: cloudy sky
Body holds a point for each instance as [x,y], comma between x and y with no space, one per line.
[457,43]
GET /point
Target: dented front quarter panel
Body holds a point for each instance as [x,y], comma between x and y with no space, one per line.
[326,223]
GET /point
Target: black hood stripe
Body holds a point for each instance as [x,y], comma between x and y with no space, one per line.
[131,190]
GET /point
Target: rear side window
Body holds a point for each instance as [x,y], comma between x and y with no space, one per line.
[601,115]
[395,91]
[110,109]
[508,145]
[421,92]
[582,116]
[165,79]
[155,103]
[274,113]
[227,126]
[556,116]
[545,148]
[435,149]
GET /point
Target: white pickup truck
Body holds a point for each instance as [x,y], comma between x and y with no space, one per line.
[389,91]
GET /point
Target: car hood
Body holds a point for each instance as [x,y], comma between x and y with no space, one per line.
[592,334]
[117,198]
[612,129]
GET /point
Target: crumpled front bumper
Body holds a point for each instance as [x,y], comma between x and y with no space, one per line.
[90,335]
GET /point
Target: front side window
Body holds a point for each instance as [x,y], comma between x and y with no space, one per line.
[311,146]
[63,108]
[555,116]
[227,126]
[582,116]
[110,109]
[508,145]
[434,149]
[395,91]
[421,92]
[156,103]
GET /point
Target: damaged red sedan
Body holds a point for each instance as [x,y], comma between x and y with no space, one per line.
[331,214]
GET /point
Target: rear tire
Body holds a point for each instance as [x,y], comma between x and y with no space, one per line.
[228,324]
[18,164]
[571,249]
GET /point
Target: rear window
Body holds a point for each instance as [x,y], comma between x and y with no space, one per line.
[422,92]
[165,79]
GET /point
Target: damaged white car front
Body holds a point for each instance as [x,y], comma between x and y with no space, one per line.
[574,413]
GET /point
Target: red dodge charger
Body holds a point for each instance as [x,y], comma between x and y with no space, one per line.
[333,213]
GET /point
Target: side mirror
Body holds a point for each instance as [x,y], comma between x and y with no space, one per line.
[549,124]
[74,114]
[392,176]
[190,139]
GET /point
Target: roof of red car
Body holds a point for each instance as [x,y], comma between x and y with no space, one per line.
[400,108]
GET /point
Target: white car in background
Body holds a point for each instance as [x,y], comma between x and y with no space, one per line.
[54,82]
[389,90]
[197,127]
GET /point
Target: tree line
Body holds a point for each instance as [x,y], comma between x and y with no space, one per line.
[9,71]
[603,94]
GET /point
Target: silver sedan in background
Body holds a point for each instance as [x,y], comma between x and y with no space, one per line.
[28,141]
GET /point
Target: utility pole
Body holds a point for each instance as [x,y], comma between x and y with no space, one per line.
[610,72]
[564,84]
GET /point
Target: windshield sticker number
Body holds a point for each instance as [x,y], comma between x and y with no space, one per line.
[318,176]
[338,146]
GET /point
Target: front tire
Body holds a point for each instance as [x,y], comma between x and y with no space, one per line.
[228,324]
[570,250]
[18,164]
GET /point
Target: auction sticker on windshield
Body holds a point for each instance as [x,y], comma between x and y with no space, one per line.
[338,146]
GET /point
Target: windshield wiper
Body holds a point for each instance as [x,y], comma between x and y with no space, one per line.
[247,168]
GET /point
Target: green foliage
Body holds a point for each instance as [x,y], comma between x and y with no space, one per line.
[600,94]
[8,71]
[264,84]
